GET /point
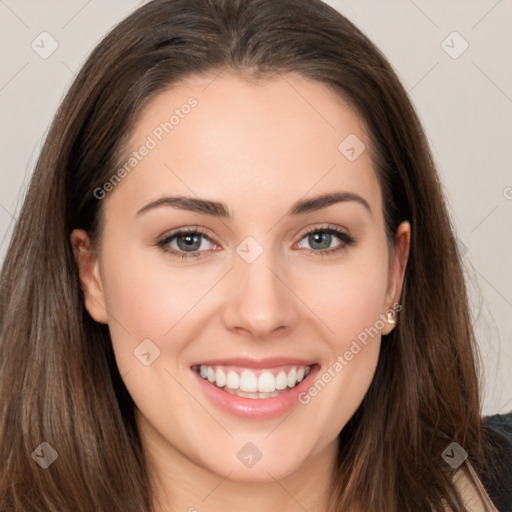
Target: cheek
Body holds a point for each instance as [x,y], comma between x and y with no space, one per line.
[348,302]
[348,297]
[152,300]
[147,299]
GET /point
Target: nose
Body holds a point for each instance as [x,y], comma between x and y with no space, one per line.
[260,301]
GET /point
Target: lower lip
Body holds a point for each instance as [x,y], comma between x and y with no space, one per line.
[257,408]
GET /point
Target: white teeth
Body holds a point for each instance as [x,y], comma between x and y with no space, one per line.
[266,383]
[243,394]
[220,378]
[281,380]
[292,377]
[249,382]
[232,380]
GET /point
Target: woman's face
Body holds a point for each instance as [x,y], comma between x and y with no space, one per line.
[271,288]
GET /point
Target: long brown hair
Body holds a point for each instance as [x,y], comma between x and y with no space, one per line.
[60,383]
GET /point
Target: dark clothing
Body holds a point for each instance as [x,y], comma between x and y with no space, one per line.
[499,487]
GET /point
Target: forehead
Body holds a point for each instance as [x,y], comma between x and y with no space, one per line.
[228,138]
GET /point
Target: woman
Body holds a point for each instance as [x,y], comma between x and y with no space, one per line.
[173,337]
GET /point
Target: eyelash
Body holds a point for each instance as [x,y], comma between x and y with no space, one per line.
[345,238]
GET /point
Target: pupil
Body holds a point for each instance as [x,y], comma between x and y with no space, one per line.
[317,238]
[189,242]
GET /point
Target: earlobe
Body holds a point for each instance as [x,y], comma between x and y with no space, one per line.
[90,278]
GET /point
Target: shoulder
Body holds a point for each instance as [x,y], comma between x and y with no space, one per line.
[498,428]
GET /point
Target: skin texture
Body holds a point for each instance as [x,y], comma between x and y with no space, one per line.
[258,148]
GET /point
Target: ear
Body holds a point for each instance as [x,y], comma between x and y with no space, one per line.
[397,265]
[89,272]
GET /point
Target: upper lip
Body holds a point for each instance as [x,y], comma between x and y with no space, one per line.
[244,362]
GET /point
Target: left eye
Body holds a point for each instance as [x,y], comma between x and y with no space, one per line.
[320,240]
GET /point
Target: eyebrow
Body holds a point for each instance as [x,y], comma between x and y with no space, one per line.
[221,210]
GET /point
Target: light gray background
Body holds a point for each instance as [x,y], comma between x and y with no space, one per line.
[465,104]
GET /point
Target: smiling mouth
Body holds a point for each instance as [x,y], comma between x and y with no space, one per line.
[254,383]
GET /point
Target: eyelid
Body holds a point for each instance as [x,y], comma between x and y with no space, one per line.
[184,231]
[321,227]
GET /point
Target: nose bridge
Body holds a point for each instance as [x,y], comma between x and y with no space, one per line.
[260,301]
